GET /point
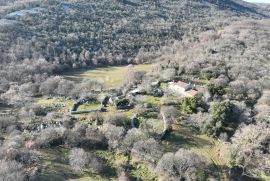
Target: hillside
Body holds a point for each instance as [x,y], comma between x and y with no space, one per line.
[64,34]
[131,90]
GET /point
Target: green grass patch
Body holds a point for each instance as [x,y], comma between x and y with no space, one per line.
[113,159]
[112,77]
[55,164]
[143,172]
[58,104]
[264,176]
[86,107]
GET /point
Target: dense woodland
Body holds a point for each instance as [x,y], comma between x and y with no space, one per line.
[221,45]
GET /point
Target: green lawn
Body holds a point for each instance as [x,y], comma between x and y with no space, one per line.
[58,104]
[55,164]
[112,77]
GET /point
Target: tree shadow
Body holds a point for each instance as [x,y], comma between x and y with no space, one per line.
[175,140]
[217,172]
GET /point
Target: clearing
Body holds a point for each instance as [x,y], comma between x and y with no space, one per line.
[112,77]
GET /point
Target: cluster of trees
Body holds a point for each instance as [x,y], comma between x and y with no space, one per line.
[250,150]
[17,161]
[182,165]
[85,34]
[199,39]
[236,96]
[52,86]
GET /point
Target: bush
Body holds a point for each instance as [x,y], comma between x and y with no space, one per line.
[27,157]
[72,138]
[93,139]
[149,150]
[49,137]
[133,76]
[216,90]
[78,159]
[117,119]
[133,135]
[198,120]
[169,115]
[85,137]
[113,134]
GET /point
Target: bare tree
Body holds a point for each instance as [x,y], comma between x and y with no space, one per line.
[183,164]
[78,159]
[169,115]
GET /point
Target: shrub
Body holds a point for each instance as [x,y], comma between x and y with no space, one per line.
[133,135]
[197,120]
[50,137]
[215,90]
[27,157]
[118,119]
[133,76]
[113,134]
[72,138]
[148,150]
[78,159]
[93,139]
[49,86]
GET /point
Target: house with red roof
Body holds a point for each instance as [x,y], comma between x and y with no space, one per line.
[182,88]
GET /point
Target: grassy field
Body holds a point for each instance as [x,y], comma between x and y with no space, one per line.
[57,104]
[112,77]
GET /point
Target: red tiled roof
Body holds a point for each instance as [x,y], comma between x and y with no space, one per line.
[192,92]
[180,84]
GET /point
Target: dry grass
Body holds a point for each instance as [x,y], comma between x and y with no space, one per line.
[112,77]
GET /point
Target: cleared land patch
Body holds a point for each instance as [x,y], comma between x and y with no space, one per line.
[112,77]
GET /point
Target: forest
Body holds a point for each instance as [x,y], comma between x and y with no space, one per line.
[84,90]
